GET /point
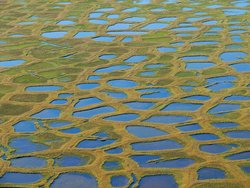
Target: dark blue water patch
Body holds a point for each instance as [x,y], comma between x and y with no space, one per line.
[11,63]
[98,21]
[142,2]
[154,93]
[106,9]
[24,145]
[241,67]
[215,148]
[117,150]
[156,145]
[57,124]
[84,34]
[107,56]
[122,117]
[229,57]
[132,9]
[135,19]
[195,58]
[236,38]
[216,87]
[87,86]
[197,97]
[154,26]
[59,102]
[201,43]
[145,132]
[122,83]
[187,88]
[93,112]
[166,49]
[126,32]
[127,39]
[111,165]
[234,12]
[95,14]
[113,16]
[54,34]
[49,113]
[154,161]
[147,73]
[94,77]
[28,162]
[25,127]
[222,125]
[237,98]
[186,29]
[158,181]
[239,156]
[136,105]
[116,95]
[190,127]
[43,88]
[95,143]
[112,68]
[65,95]
[204,136]
[119,181]
[238,134]
[199,65]
[66,161]
[223,108]
[20,178]
[177,106]
[74,179]
[104,39]
[87,102]
[73,130]
[168,119]
[136,59]
[211,173]
[119,26]
[167,19]
[65,22]
[246,169]
[210,22]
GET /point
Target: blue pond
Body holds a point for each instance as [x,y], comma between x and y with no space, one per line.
[25,126]
[54,34]
[28,162]
[119,181]
[74,179]
[49,113]
[93,112]
[20,178]
[177,106]
[122,117]
[87,102]
[211,173]
[122,83]
[168,119]
[145,132]
[156,145]
[158,181]
[139,105]
[11,63]
[41,88]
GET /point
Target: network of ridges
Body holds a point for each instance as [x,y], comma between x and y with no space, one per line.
[140,93]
